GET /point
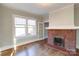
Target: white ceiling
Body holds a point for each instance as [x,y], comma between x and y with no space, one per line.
[36,8]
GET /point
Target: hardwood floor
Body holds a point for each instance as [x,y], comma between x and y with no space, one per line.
[38,48]
[7,52]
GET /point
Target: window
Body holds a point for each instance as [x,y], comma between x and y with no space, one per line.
[31,27]
[20,24]
[24,26]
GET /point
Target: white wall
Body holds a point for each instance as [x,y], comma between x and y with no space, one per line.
[76,15]
[63,17]
[0,27]
[77,39]
[7,26]
[76,23]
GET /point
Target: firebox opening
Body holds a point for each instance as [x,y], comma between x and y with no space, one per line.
[59,41]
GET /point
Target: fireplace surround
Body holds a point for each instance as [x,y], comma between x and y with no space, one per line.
[67,38]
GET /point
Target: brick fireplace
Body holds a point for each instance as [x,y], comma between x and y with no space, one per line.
[63,39]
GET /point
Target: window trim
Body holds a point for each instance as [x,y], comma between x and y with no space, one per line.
[26,27]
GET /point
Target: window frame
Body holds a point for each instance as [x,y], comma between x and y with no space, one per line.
[32,26]
[26,26]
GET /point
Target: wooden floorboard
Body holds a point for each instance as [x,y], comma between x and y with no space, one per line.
[38,48]
[7,52]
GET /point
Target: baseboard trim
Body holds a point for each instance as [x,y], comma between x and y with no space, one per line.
[23,43]
[6,47]
[11,46]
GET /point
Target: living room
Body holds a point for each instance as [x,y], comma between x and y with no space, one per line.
[31,29]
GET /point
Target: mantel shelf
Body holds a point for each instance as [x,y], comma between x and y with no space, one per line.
[62,28]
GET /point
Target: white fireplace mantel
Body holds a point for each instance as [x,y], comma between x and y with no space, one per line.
[62,27]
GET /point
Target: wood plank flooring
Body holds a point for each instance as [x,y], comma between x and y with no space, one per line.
[7,52]
[38,48]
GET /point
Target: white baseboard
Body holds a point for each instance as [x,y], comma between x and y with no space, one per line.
[6,47]
[11,46]
[29,41]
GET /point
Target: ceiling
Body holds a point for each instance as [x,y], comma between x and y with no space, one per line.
[36,8]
